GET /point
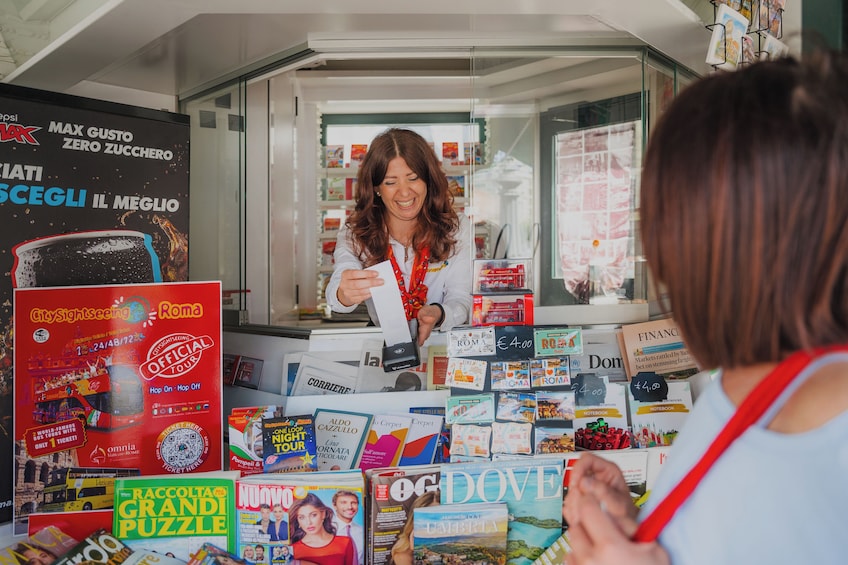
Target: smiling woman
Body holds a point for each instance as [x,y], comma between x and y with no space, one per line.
[404,213]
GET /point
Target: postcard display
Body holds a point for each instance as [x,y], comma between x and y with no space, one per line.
[538,390]
[112,381]
[91,193]
[509,398]
[744,31]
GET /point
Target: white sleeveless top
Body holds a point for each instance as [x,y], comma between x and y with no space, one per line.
[770,498]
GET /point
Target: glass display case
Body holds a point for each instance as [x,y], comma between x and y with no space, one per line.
[543,146]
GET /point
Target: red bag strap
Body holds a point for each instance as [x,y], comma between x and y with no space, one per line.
[752,408]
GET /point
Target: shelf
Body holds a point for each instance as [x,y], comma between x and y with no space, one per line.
[342,172]
[336,204]
[350,172]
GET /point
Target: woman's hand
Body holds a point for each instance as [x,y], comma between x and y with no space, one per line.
[601,517]
[428,317]
[603,480]
[599,540]
[356,284]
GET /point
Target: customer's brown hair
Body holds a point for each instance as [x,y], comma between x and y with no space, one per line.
[437,223]
[744,210]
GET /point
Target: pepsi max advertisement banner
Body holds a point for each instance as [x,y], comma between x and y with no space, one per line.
[112,381]
[91,193]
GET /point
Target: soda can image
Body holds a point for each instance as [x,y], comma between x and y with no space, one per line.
[86,258]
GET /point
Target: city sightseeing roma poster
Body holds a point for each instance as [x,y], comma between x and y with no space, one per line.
[112,381]
[91,192]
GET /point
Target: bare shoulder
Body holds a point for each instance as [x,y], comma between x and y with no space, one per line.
[823,397]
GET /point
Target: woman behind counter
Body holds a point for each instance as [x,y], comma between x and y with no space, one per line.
[404,213]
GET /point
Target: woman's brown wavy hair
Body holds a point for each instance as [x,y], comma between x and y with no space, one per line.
[744,210]
[438,221]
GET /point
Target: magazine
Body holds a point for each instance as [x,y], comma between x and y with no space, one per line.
[422,439]
[45,545]
[461,533]
[372,377]
[319,376]
[601,355]
[271,509]
[357,153]
[211,554]
[600,415]
[657,423]
[340,438]
[288,444]
[393,493]
[532,490]
[437,367]
[176,513]
[556,553]
[656,346]
[76,525]
[334,156]
[245,437]
[385,442]
[103,547]
[248,372]
[229,365]
[634,466]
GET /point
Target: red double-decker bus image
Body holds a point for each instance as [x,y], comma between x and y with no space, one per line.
[103,396]
[494,279]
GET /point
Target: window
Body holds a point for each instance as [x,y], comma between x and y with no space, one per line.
[260,143]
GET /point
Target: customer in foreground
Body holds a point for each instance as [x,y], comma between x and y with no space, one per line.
[744,214]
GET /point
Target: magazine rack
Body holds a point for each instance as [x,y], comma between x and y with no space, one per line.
[757,27]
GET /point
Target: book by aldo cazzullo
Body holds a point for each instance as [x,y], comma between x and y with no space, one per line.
[532,490]
[288,444]
[385,442]
[394,493]
[272,511]
[176,513]
[103,548]
[461,533]
[340,438]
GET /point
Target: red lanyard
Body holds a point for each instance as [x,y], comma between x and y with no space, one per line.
[416,296]
[758,401]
